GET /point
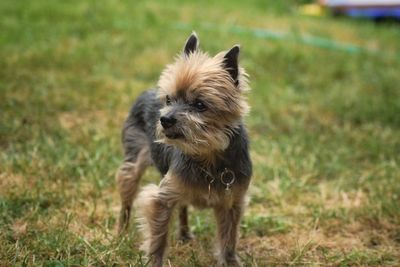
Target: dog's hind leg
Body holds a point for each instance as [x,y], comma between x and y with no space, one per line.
[184,231]
[137,158]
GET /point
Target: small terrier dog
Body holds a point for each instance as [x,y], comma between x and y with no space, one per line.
[191,128]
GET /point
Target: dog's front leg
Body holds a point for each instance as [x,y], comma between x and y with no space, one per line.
[155,205]
[228,221]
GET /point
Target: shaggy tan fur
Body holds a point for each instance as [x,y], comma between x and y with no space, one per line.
[199,74]
[155,205]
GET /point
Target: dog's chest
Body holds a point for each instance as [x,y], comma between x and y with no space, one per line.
[205,199]
[209,194]
[207,186]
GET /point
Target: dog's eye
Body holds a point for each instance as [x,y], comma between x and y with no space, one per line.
[167,100]
[200,106]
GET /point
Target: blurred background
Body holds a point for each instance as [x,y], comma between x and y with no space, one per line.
[324,127]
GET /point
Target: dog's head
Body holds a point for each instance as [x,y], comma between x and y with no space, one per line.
[203,99]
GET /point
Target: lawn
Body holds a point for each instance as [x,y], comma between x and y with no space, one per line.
[324,128]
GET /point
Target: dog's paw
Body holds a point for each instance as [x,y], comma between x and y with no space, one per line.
[229,260]
[230,263]
[185,237]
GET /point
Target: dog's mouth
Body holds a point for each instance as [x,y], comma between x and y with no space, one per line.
[173,135]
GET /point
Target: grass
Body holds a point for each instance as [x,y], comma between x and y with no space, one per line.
[325,130]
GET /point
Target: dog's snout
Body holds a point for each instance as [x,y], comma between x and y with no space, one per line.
[167,122]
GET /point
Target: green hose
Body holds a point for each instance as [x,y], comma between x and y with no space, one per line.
[274,35]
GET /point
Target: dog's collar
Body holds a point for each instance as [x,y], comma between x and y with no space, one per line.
[227,178]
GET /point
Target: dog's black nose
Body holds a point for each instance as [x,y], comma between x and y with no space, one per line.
[167,122]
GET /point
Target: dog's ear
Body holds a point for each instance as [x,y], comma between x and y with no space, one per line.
[192,44]
[231,62]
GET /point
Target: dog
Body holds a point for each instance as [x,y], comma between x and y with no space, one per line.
[191,129]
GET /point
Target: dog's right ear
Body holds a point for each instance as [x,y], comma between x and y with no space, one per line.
[192,44]
[231,63]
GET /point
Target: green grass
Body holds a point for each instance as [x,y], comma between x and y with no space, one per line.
[325,130]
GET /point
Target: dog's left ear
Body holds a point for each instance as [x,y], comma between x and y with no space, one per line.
[192,44]
[231,63]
